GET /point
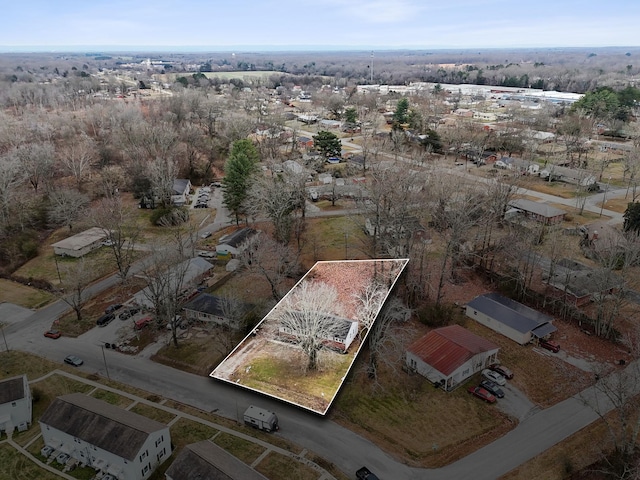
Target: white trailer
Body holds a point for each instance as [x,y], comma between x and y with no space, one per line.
[261,419]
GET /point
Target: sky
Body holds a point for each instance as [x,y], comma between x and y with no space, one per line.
[309,24]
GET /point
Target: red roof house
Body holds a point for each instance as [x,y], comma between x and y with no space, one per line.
[447,356]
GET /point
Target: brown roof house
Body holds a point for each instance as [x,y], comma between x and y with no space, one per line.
[206,460]
[15,404]
[105,437]
[447,356]
[540,212]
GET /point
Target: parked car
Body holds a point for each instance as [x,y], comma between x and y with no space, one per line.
[494,377]
[62,458]
[107,243]
[142,322]
[201,205]
[502,370]
[105,319]
[314,195]
[205,235]
[550,345]
[492,387]
[46,451]
[206,254]
[216,184]
[129,312]
[73,360]
[482,394]
[53,334]
[113,308]
[365,474]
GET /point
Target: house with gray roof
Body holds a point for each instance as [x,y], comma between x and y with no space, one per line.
[232,244]
[107,438]
[15,404]
[509,318]
[209,308]
[180,191]
[81,243]
[540,212]
[206,460]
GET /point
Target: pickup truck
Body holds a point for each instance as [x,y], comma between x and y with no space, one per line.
[365,474]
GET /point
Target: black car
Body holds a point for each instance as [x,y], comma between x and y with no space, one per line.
[128,313]
[492,387]
[105,319]
[113,308]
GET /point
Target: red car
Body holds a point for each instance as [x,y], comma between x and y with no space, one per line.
[482,394]
[52,334]
[550,345]
[502,370]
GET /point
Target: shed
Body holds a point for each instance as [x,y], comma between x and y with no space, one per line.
[81,243]
[448,356]
[510,318]
[206,460]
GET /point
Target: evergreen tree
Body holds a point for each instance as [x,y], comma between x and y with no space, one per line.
[328,144]
[632,218]
[241,164]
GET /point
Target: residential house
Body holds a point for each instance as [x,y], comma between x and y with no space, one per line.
[520,165]
[180,192]
[15,404]
[448,356]
[207,308]
[305,142]
[509,318]
[233,244]
[574,176]
[107,438]
[206,460]
[187,273]
[81,243]
[580,284]
[343,333]
[540,212]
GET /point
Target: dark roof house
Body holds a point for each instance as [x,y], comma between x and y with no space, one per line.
[510,318]
[206,460]
[540,212]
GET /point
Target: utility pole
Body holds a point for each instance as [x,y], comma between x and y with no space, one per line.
[104,358]
[4,338]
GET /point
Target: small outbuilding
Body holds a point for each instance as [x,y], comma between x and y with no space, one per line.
[510,318]
[81,243]
[448,356]
[15,404]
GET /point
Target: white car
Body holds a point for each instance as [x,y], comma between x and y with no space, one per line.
[205,235]
[494,377]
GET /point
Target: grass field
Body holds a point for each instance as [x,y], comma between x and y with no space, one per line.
[28,297]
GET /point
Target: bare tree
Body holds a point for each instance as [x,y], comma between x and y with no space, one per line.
[385,345]
[36,160]
[121,229]
[74,278]
[165,276]
[66,206]
[162,173]
[309,314]
[271,259]
[78,158]
[11,176]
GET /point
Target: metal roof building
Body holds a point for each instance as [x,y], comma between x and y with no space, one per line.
[448,356]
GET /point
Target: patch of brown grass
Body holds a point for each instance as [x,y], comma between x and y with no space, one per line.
[23,295]
[274,464]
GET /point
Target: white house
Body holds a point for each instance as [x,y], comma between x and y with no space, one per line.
[81,243]
[207,308]
[510,318]
[232,244]
[448,356]
[181,189]
[105,437]
[15,404]
[206,460]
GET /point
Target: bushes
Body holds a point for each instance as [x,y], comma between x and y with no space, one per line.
[435,316]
